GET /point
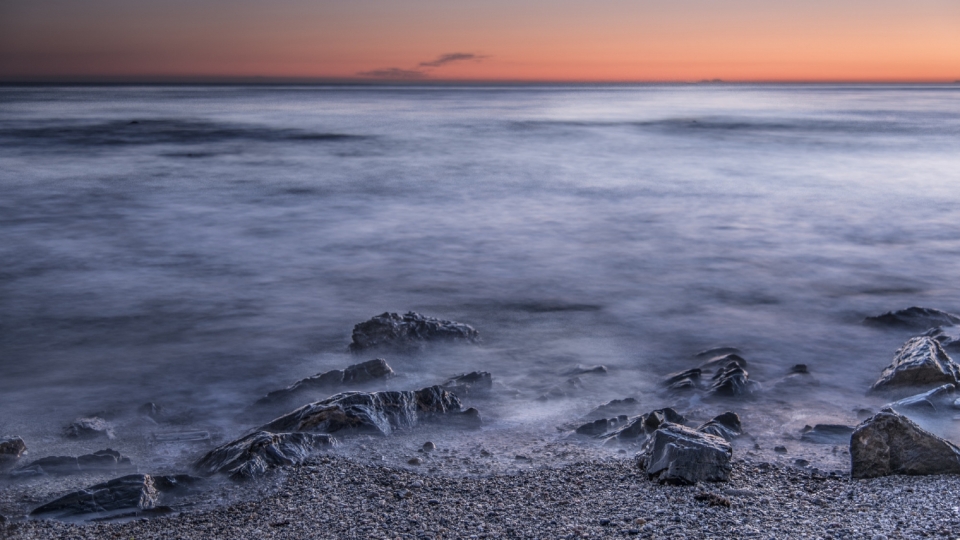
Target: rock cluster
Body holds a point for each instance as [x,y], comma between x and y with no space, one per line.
[409,332]
[730,377]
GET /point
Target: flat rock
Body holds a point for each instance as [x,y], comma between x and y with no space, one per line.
[409,332]
[127,496]
[890,443]
[827,434]
[357,374]
[11,448]
[89,428]
[581,369]
[473,384]
[726,426]
[676,454]
[948,336]
[98,462]
[920,361]
[258,452]
[379,412]
[914,318]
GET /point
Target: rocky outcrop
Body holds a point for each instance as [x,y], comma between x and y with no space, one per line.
[357,374]
[827,434]
[676,454]
[127,496]
[408,333]
[941,398]
[732,381]
[920,361]
[256,453]
[98,462]
[890,443]
[473,384]
[89,428]
[640,427]
[11,448]
[913,318]
[378,412]
[947,336]
[726,426]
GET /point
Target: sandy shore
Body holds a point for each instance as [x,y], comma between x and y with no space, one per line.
[336,497]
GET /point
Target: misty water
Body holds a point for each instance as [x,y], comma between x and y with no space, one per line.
[198,247]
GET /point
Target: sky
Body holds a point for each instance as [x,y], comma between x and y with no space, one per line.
[481,40]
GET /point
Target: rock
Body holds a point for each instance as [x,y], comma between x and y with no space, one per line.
[726,426]
[258,452]
[732,381]
[890,443]
[799,368]
[88,428]
[644,425]
[408,333]
[127,496]
[920,361]
[151,410]
[914,318]
[939,399]
[615,407]
[780,449]
[182,437]
[716,352]
[581,369]
[473,384]
[380,412]
[948,336]
[683,379]
[827,434]
[98,462]
[11,448]
[676,454]
[721,362]
[357,374]
[565,390]
[415,461]
[429,446]
[600,426]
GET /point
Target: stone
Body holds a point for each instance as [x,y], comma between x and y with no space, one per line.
[913,318]
[255,454]
[98,462]
[827,434]
[691,375]
[939,399]
[640,427]
[473,384]
[726,426]
[415,461]
[780,449]
[378,412]
[614,407]
[732,381]
[600,426]
[920,361]
[799,368]
[676,454]
[357,374]
[88,428]
[127,496]
[11,448]
[721,362]
[581,369]
[890,443]
[408,333]
[429,446]
[948,336]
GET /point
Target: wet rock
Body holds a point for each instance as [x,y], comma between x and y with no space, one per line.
[683,379]
[939,399]
[914,318]
[380,412]
[716,352]
[676,454]
[890,443]
[615,407]
[799,368]
[98,462]
[780,449]
[89,428]
[415,461]
[600,426]
[581,369]
[640,427]
[429,446]
[11,448]
[473,384]
[726,426]
[365,372]
[721,362]
[947,336]
[827,434]
[565,390]
[732,381]
[409,332]
[127,496]
[920,361]
[258,452]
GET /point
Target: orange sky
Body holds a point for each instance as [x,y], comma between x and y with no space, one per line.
[533,40]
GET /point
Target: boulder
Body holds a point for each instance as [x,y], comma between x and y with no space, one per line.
[721,362]
[913,318]
[127,496]
[939,399]
[948,336]
[378,412]
[920,361]
[89,428]
[258,452]
[408,333]
[683,379]
[581,369]
[357,374]
[827,434]
[640,427]
[726,426]
[676,454]
[473,384]
[890,443]
[11,448]
[98,462]
[732,381]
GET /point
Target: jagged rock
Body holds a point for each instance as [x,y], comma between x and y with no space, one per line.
[676,454]
[726,426]
[915,318]
[567,389]
[380,412]
[948,336]
[683,379]
[409,332]
[644,425]
[127,496]
[920,361]
[101,461]
[88,428]
[600,426]
[472,384]
[11,448]
[890,443]
[254,454]
[356,374]
[615,407]
[827,434]
[732,381]
[716,352]
[581,369]
[940,398]
[721,362]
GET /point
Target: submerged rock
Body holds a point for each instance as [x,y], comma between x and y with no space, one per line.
[827,434]
[726,426]
[365,372]
[256,453]
[940,398]
[98,462]
[914,318]
[127,496]
[947,336]
[581,369]
[408,332]
[890,443]
[475,383]
[380,412]
[11,448]
[732,381]
[920,361]
[88,428]
[676,454]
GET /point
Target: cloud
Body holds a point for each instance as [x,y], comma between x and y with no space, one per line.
[394,73]
[444,59]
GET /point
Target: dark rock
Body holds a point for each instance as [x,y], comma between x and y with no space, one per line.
[732,381]
[88,428]
[614,407]
[716,352]
[914,318]
[939,399]
[357,374]
[691,375]
[473,384]
[581,369]
[800,462]
[409,332]
[920,361]
[890,443]
[415,461]
[948,336]
[676,454]
[380,412]
[721,362]
[11,448]
[683,385]
[600,426]
[127,496]
[429,446]
[642,426]
[780,449]
[799,368]
[726,426]
[258,452]
[827,434]
[98,462]
[567,389]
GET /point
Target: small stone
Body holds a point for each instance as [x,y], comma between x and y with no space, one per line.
[433,502]
[604,522]
[429,446]
[90,427]
[780,449]
[415,461]
[800,462]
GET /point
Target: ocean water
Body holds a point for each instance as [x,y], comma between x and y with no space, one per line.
[200,246]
